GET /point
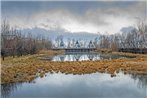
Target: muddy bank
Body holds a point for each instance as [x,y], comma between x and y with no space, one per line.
[27,68]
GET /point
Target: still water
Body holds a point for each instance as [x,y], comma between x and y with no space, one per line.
[96,85]
[81,57]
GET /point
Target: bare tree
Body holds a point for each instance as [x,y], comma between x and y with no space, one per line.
[14,43]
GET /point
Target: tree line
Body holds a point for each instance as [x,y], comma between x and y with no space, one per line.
[136,38]
[14,43]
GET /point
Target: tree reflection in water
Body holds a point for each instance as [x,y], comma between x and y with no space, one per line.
[142,80]
[7,90]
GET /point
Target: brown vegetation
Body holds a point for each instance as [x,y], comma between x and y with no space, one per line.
[15,43]
[27,68]
[50,52]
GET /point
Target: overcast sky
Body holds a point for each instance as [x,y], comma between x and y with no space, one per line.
[74,16]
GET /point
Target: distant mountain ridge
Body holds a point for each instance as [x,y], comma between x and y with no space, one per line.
[52,34]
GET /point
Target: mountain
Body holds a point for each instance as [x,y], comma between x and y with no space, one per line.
[52,34]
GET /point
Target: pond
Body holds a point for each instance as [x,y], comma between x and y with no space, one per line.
[82,56]
[98,85]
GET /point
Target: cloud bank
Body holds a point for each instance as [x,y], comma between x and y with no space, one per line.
[108,19]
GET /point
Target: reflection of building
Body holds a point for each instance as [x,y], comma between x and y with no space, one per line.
[77,57]
[91,56]
[62,57]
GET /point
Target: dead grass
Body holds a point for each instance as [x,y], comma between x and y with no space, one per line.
[50,52]
[27,68]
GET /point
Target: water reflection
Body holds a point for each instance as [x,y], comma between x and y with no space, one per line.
[81,56]
[8,89]
[88,85]
[142,80]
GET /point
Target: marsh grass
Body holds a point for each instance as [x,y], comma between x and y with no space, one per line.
[27,68]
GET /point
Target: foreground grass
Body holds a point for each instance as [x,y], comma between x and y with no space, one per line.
[27,68]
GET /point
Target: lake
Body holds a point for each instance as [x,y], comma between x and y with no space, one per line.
[97,85]
[82,56]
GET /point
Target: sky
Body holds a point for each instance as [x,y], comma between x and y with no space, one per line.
[75,16]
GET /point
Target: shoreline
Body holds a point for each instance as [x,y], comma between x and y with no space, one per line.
[27,68]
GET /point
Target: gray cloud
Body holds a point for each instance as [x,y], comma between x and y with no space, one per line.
[105,19]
